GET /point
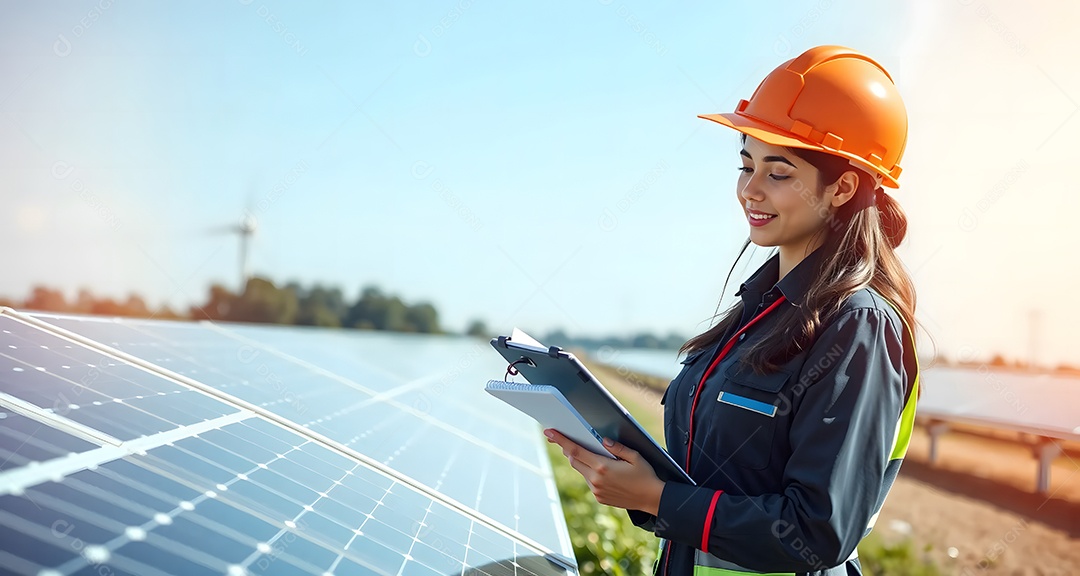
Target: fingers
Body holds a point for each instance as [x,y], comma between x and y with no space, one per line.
[616,483]
[585,471]
[555,437]
[573,450]
[620,451]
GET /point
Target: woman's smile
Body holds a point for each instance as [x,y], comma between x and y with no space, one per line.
[757,218]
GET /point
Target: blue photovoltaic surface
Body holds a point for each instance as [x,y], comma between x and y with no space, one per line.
[1038,403]
[415,403]
[24,441]
[249,497]
[234,493]
[83,385]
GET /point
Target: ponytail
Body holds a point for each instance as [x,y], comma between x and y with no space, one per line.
[892,217]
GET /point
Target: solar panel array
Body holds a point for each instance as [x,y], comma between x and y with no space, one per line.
[1043,404]
[155,447]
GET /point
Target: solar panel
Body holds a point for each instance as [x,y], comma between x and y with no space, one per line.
[24,441]
[1042,404]
[89,388]
[406,402]
[249,490]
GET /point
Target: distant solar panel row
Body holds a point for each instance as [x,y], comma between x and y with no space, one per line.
[1041,404]
[111,463]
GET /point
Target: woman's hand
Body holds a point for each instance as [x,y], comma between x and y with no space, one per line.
[628,482]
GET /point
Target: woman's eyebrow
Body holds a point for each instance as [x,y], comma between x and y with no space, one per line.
[778,159]
[769,158]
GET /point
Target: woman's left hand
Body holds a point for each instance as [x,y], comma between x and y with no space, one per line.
[628,482]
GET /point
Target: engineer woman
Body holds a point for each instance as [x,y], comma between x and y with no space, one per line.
[794,411]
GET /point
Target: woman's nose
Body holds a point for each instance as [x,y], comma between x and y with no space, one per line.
[750,190]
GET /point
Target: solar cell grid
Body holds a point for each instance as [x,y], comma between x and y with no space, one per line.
[387,362]
[187,507]
[201,353]
[24,440]
[417,427]
[206,487]
[64,377]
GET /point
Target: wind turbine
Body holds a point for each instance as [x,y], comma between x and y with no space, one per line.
[246,229]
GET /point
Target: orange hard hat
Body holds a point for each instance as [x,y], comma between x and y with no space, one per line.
[832,99]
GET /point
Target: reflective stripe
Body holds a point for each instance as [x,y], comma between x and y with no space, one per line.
[907,423]
[706,571]
[706,564]
[907,416]
[870,525]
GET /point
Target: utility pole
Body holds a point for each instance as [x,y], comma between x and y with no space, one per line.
[1034,318]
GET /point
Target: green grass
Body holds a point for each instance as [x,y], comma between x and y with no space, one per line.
[880,558]
[605,540]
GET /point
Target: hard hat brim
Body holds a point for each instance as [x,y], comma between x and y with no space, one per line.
[776,136]
[763,131]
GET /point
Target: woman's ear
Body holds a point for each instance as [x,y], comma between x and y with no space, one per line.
[844,188]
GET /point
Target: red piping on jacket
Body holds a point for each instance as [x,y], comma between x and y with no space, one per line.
[708,521]
[708,372]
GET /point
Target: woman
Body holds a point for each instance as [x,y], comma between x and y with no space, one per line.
[793,413]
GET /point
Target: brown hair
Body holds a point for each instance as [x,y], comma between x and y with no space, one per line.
[859,244]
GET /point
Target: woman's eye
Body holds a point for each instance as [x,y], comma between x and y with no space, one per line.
[777,177]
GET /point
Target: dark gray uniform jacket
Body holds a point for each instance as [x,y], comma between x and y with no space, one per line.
[796,491]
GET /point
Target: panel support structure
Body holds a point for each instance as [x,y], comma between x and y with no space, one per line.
[1046,450]
[936,429]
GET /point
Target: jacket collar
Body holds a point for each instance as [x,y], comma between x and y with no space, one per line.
[793,286]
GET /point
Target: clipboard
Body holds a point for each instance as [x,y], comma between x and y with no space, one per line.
[551,409]
[555,367]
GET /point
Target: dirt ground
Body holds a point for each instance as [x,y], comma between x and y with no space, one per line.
[976,512]
[980,498]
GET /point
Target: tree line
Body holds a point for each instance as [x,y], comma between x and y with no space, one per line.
[318,305]
[262,301]
[641,340]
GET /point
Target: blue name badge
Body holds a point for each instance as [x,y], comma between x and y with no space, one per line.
[747,404]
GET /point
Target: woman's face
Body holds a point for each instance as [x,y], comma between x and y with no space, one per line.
[776,182]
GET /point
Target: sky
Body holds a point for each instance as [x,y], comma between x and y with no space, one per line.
[538,165]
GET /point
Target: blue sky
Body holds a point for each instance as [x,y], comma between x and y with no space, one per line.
[538,164]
